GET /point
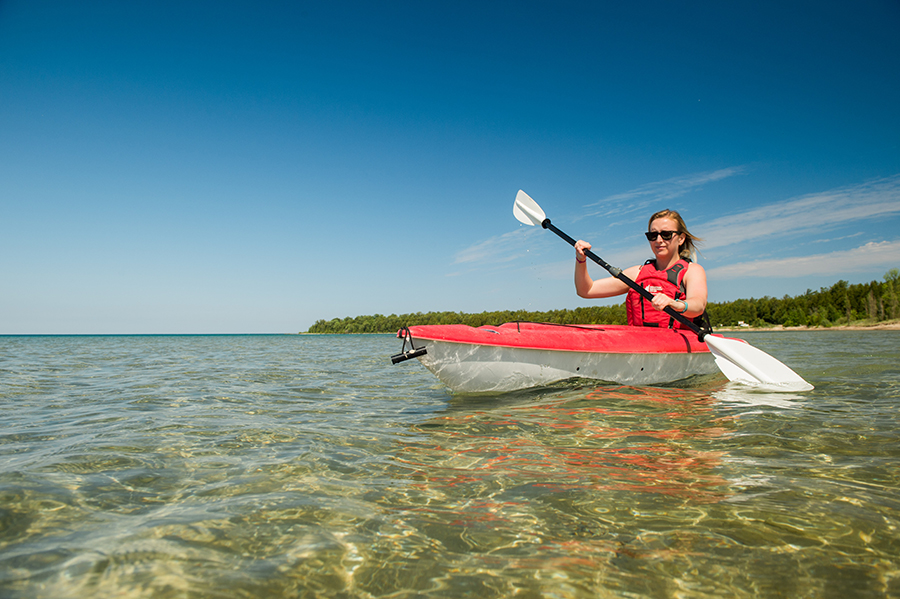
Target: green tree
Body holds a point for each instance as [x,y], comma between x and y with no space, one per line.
[892,289]
[841,302]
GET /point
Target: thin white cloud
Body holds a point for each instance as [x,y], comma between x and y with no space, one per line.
[494,250]
[819,211]
[564,269]
[507,247]
[870,255]
[553,271]
[833,239]
[534,243]
[661,191]
[873,199]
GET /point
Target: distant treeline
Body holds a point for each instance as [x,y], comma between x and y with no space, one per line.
[839,304]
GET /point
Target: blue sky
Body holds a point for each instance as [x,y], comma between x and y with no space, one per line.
[216,167]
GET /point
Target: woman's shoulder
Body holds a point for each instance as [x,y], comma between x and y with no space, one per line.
[694,271]
[694,266]
[633,271]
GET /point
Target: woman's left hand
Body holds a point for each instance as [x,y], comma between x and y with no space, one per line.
[661,300]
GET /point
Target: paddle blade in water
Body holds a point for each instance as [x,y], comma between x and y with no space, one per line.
[527,210]
[744,363]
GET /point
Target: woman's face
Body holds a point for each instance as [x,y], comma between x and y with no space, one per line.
[661,247]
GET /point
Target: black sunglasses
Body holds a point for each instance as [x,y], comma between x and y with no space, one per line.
[666,235]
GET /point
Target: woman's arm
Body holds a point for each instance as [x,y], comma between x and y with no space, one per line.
[589,288]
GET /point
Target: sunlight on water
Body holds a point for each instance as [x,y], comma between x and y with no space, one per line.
[310,466]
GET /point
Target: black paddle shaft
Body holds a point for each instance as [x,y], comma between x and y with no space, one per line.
[617,273]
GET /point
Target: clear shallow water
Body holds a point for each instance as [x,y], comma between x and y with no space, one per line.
[306,466]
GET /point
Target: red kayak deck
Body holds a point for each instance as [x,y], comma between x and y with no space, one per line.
[615,339]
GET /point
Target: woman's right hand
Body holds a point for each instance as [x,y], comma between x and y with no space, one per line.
[580,247]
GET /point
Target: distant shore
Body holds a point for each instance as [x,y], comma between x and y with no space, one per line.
[880,326]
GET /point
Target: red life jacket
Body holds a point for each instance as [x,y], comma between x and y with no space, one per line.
[641,312]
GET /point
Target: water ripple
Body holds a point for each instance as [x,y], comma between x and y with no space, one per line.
[248,466]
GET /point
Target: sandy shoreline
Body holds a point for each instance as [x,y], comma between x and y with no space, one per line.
[881,326]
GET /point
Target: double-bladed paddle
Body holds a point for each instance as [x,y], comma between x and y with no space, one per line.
[738,360]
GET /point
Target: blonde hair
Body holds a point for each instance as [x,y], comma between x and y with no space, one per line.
[688,249]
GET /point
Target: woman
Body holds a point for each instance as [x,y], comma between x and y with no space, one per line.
[671,277]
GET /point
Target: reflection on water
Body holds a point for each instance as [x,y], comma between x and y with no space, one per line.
[738,394]
[602,440]
[310,467]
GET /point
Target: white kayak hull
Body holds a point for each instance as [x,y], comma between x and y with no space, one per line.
[473,368]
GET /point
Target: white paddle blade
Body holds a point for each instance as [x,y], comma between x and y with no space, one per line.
[527,210]
[741,362]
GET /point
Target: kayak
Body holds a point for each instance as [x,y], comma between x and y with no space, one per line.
[519,355]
